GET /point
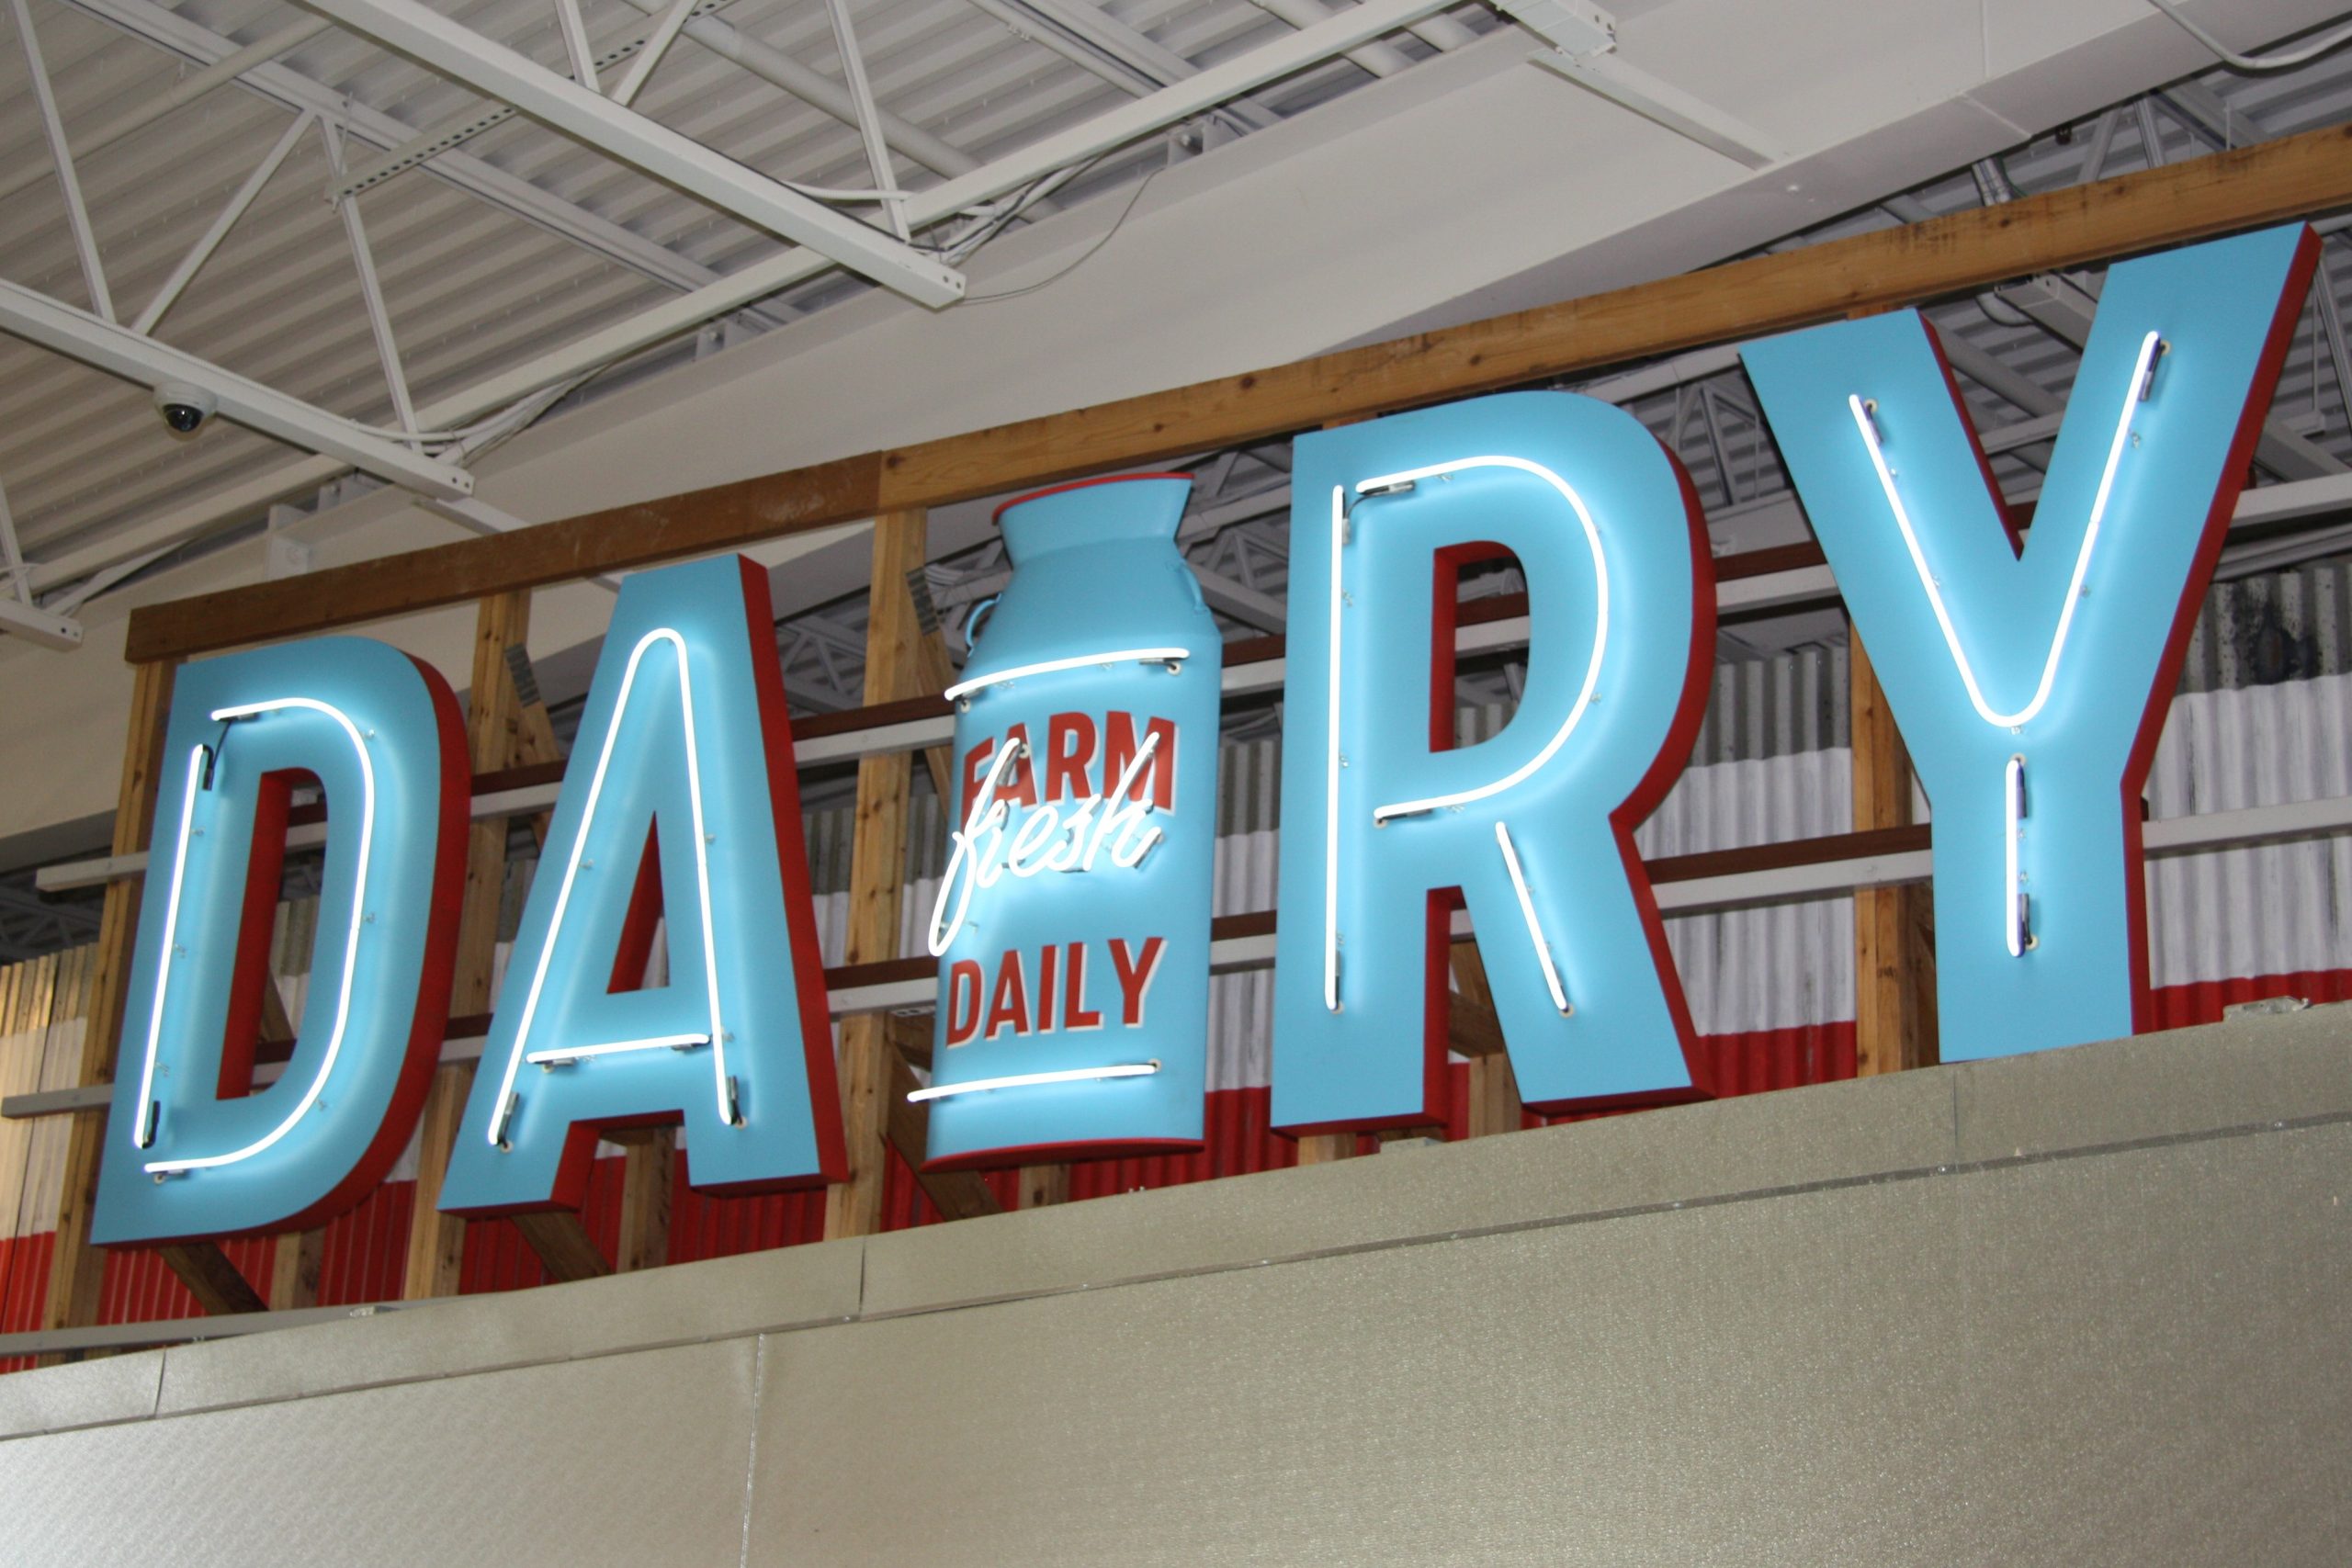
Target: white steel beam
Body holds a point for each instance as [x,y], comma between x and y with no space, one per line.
[1116,128]
[454,131]
[575,44]
[118,351]
[731,43]
[371,288]
[191,40]
[187,90]
[656,44]
[869,117]
[77,214]
[201,251]
[646,144]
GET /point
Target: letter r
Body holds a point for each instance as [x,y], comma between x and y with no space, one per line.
[1383,820]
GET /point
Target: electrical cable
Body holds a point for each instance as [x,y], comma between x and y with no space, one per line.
[2247,61]
[1087,256]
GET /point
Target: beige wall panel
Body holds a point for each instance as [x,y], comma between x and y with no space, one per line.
[628,1460]
[2132,1358]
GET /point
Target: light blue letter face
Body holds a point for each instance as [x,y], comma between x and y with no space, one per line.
[680,799]
[192,1147]
[2031,686]
[1383,820]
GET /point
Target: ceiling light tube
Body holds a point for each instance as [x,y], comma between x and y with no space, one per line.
[351,942]
[1028,1080]
[1391,483]
[1865,421]
[1331,769]
[1171,655]
[1534,926]
[143,1132]
[563,1055]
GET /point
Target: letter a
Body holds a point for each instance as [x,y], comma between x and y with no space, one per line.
[684,727]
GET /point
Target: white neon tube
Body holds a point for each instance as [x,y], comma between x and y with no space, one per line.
[1600,627]
[1025,1081]
[557,1056]
[143,1132]
[1862,422]
[1534,926]
[2012,809]
[1120,656]
[1332,785]
[351,943]
[718,1036]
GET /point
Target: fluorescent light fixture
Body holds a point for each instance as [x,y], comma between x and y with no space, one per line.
[1119,656]
[1331,786]
[1534,926]
[1391,482]
[563,1055]
[717,1034]
[2149,348]
[350,946]
[1027,1080]
[143,1132]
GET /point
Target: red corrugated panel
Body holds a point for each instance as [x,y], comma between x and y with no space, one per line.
[24,1289]
[2177,1007]
[366,1250]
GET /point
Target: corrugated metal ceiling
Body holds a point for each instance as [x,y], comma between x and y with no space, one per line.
[472,286]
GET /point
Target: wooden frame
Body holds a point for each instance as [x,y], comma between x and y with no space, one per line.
[2292,177]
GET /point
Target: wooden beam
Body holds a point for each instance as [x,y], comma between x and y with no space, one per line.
[1895,951]
[2289,177]
[211,1278]
[495,731]
[75,1267]
[877,875]
[1471,1026]
[563,1245]
[647,1172]
[1322,1148]
[957,1194]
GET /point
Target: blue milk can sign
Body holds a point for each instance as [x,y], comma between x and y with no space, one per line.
[1072,924]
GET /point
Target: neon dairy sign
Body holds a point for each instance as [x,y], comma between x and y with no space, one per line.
[2027,672]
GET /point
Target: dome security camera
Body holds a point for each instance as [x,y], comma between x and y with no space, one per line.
[185,408]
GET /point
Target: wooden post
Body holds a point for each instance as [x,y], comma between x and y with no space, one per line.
[75,1267]
[649,1158]
[294,1269]
[295,1261]
[1473,1030]
[1042,1186]
[436,1242]
[877,871]
[1895,949]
